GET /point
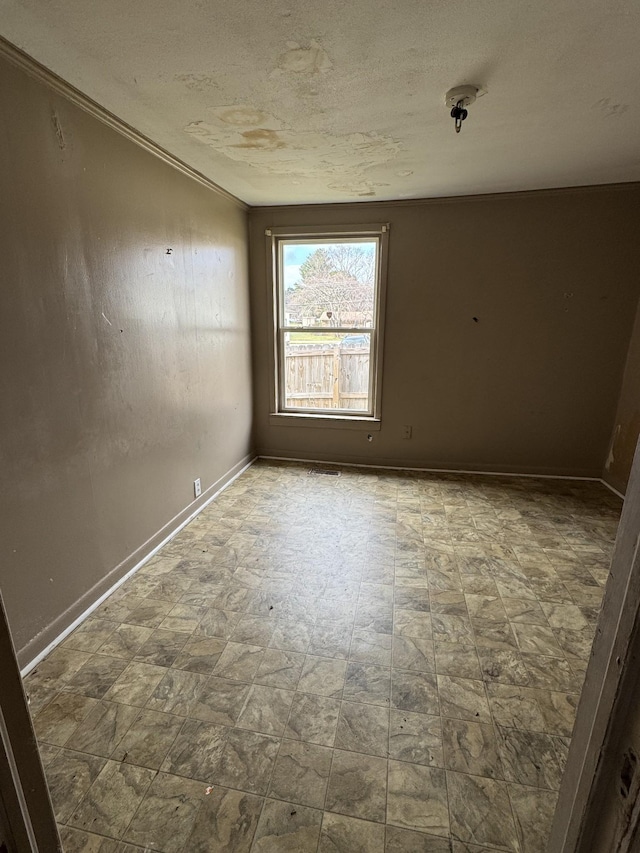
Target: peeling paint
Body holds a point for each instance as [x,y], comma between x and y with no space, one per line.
[197,82]
[303,60]
[58,130]
[240,116]
[261,138]
[319,155]
[360,188]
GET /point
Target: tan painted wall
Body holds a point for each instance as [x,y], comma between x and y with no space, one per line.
[532,386]
[627,420]
[125,371]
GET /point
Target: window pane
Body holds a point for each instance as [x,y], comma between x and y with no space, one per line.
[327,371]
[329,283]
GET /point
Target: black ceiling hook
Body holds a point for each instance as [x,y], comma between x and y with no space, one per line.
[459,114]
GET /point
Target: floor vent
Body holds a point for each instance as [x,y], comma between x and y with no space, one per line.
[326,471]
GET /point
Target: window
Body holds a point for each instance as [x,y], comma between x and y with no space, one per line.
[328,309]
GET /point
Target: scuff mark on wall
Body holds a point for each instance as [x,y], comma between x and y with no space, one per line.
[313,59]
[614,439]
[623,448]
[609,108]
[58,130]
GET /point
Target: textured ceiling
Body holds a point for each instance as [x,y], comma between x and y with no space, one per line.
[336,101]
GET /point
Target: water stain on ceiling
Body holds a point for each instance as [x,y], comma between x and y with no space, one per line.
[270,147]
[313,59]
[197,82]
[333,101]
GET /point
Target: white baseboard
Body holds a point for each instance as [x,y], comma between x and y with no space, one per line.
[431,470]
[174,527]
[211,494]
[611,488]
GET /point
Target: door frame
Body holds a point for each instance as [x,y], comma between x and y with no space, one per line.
[612,664]
[25,804]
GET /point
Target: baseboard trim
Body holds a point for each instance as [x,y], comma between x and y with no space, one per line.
[47,640]
[428,470]
[611,488]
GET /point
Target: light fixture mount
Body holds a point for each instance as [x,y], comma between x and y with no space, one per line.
[458,99]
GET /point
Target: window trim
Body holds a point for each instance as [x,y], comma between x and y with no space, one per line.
[282,416]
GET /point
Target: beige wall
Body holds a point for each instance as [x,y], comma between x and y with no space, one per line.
[533,385]
[125,371]
[627,419]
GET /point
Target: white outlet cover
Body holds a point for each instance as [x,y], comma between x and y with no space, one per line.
[197,487]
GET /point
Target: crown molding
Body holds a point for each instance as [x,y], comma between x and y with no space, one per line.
[44,75]
[628,186]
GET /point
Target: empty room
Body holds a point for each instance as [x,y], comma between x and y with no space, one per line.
[320,394]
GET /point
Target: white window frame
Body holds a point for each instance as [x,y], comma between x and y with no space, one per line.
[343,418]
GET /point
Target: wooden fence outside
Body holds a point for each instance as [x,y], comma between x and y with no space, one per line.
[327,377]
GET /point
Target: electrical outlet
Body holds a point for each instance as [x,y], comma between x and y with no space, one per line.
[197,488]
[406,431]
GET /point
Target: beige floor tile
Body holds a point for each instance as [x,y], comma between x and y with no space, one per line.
[342,834]
[457,659]
[471,748]
[463,699]
[415,691]
[125,641]
[165,817]
[112,800]
[256,656]
[58,720]
[367,683]
[301,773]
[135,684]
[287,826]
[69,776]
[177,692]
[416,738]
[148,740]
[408,841]
[417,798]
[239,661]
[96,676]
[322,676]
[225,823]
[266,710]
[357,785]
[363,728]
[102,730]
[313,718]
[480,811]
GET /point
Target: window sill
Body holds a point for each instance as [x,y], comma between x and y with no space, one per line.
[297,419]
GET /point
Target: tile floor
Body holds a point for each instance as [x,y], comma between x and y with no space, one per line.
[370,663]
